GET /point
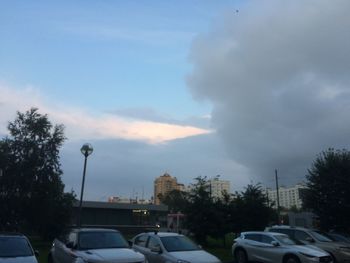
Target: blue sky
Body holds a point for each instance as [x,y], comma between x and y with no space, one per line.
[106,55]
[229,87]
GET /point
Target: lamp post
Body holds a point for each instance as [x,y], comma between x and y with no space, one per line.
[86,150]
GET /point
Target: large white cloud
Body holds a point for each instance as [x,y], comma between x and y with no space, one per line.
[277,73]
[82,124]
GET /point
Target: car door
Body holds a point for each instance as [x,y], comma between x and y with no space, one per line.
[260,248]
[154,251]
[268,252]
[139,244]
[59,249]
[251,244]
[69,254]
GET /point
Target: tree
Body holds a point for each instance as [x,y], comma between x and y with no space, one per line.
[31,190]
[176,200]
[328,189]
[201,214]
[252,211]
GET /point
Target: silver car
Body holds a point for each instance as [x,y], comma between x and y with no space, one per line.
[161,247]
[15,248]
[275,248]
[93,246]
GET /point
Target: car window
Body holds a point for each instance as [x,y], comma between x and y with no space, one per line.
[285,240]
[99,240]
[15,247]
[283,231]
[178,243]
[266,239]
[141,240]
[320,236]
[254,237]
[301,235]
[153,243]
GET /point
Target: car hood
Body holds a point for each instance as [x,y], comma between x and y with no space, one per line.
[332,245]
[310,250]
[112,254]
[195,256]
[31,259]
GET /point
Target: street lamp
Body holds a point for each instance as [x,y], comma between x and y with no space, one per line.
[86,150]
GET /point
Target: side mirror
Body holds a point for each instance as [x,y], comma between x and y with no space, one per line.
[130,243]
[200,247]
[36,253]
[275,243]
[156,249]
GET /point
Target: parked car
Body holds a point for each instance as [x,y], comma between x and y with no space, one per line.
[16,248]
[161,247]
[86,245]
[274,248]
[340,251]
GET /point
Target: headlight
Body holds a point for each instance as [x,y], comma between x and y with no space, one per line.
[345,249]
[311,257]
[182,261]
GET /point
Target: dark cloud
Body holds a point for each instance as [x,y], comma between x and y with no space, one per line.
[278,77]
[124,168]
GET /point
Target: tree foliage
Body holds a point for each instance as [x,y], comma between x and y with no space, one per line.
[328,189]
[208,216]
[31,190]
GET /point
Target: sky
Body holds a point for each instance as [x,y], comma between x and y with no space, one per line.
[193,88]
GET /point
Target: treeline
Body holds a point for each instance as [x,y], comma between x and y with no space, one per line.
[208,216]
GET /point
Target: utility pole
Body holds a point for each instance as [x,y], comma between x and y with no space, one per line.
[278,199]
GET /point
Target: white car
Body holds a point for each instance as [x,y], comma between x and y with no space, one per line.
[88,245]
[275,248]
[15,248]
[167,247]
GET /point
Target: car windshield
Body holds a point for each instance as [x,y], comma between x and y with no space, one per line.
[321,236]
[99,240]
[285,240]
[178,243]
[15,247]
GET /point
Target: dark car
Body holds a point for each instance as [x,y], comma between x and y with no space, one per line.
[16,248]
[86,245]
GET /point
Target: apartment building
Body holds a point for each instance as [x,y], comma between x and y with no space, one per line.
[165,184]
[217,187]
[288,196]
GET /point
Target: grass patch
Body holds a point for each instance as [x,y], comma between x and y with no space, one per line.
[224,254]
[42,247]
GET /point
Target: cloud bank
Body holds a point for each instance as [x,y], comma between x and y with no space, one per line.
[277,74]
[83,125]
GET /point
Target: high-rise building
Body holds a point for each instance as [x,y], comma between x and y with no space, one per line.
[218,187]
[288,196]
[165,184]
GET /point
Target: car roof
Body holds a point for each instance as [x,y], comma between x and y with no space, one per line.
[11,234]
[94,230]
[163,234]
[289,227]
[263,233]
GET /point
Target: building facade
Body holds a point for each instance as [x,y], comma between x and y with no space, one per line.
[288,196]
[128,218]
[218,187]
[165,184]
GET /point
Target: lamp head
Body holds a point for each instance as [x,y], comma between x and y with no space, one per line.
[86,149]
